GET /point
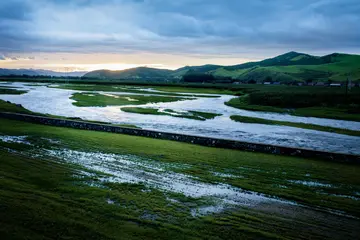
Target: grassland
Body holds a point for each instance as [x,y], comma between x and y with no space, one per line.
[245,119]
[202,116]
[103,100]
[44,198]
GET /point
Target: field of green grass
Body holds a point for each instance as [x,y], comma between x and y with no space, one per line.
[245,119]
[44,197]
[103,100]
[202,116]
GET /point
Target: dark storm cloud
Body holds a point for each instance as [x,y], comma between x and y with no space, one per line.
[179,27]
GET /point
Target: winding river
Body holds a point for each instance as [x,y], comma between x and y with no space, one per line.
[55,101]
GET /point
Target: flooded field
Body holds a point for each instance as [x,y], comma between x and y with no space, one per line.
[55,101]
[103,168]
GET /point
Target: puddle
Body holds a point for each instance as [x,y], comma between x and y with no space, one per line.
[110,95]
[311,183]
[346,196]
[226,175]
[203,211]
[136,170]
[15,139]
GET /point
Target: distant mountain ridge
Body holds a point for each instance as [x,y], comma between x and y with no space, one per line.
[288,67]
[291,67]
[40,72]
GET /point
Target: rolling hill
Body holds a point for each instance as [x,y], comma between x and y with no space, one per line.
[298,67]
[289,67]
[132,73]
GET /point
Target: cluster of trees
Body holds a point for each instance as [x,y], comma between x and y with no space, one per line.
[196,77]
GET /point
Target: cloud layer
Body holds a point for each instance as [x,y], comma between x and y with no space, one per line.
[194,27]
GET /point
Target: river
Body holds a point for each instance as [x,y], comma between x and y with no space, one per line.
[55,101]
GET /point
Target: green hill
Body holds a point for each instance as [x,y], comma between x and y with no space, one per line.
[298,67]
[132,73]
[289,67]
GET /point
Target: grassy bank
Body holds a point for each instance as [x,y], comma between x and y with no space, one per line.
[245,119]
[103,100]
[168,112]
[11,91]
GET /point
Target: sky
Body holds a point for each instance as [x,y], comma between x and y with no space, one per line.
[85,35]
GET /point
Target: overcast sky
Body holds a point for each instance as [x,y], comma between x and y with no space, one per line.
[116,34]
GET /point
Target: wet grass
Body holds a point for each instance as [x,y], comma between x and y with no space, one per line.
[308,102]
[202,116]
[100,100]
[42,198]
[255,120]
[269,174]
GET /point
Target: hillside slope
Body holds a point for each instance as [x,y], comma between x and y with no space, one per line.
[297,67]
[289,67]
